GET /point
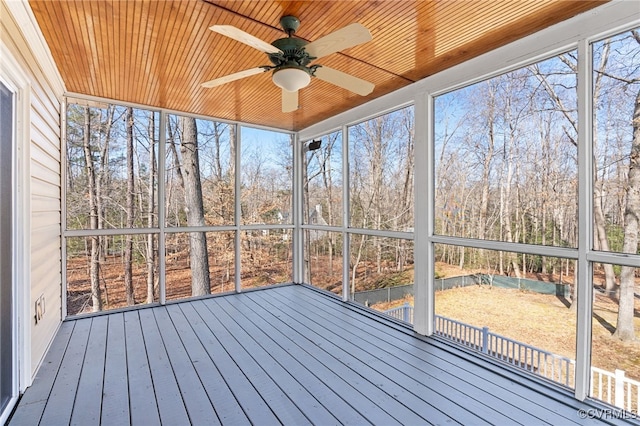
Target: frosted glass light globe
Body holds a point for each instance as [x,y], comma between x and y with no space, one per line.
[291,79]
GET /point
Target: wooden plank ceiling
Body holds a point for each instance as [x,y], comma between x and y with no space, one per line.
[158,52]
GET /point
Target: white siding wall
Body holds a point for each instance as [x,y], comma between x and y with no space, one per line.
[21,37]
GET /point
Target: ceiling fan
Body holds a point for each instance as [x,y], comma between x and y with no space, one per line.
[291,57]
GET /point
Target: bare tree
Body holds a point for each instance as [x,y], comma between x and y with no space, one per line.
[94,271]
[625,329]
[194,209]
[601,239]
[128,245]
[318,165]
[151,201]
[103,175]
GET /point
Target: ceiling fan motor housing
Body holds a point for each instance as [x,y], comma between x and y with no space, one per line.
[293,54]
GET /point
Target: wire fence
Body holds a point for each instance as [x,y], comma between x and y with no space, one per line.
[389,294]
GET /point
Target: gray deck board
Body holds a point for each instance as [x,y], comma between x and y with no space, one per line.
[413,408]
[311,358]
[88,403]
[194,394]
[468,376]
[33,402]
[227,408]
[255,408]
[287,356]
[61,401]
[284,409]
[283,355]
[375,403]
[171,406]
[398,357]
[259,350]
[142,400]
[115,392]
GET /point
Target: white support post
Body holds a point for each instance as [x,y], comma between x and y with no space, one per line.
[346,238]
[63,201]
[584,287]
[423,312]
[298,210]
[237,213]
[485,340]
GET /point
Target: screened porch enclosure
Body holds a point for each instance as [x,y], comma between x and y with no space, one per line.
[359,260]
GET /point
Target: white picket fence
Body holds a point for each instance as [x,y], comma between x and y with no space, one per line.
[614,388]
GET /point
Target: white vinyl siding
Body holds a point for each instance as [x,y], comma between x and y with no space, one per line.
[21,37]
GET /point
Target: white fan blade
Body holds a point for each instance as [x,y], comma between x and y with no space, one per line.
[344,80]
[289,101]
[232,77]
[349,36]
[246,38]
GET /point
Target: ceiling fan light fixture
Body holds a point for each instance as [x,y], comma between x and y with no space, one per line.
[291,79]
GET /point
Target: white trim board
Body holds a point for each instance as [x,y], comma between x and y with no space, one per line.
[11,76]
[24,18]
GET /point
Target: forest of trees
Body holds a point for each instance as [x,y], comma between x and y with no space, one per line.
[507,166]
[112,185]
[381,192]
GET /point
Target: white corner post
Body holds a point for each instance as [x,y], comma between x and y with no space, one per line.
[584,290]
[237,210]
[298,209]
[346,248]
[162,167]
[423,215]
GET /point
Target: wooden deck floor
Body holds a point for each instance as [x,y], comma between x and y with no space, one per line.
[285,355]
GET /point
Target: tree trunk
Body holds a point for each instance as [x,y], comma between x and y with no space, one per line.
[354,265]
[306,267]
[218,128]
[103,178]
[327,179]
[151,254]
[544,184]
[128,245]
[512,257]
[194,209]
[377,174]
[94,267]
[601,241]
[486,168]
[625,327]
[171,143]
